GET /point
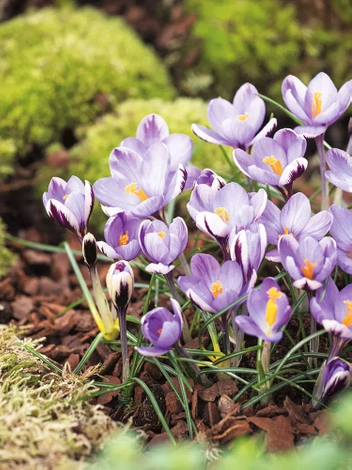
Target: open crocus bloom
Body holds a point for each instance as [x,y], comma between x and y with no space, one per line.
[142,185]
[294,219]
[162,244]
[236,124]
[341,231]
[318,105]
[340,173]
[162,328]
[268,310]
[277,161]
[70,204]
[308,262]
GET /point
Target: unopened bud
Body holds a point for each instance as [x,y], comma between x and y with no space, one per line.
[120,284]
[89,250]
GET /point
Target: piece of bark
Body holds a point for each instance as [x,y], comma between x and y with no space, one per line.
[279,435]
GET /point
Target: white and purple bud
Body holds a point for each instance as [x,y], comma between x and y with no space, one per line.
[120,284]
[70,204]
[334,377]
[89,250]
[211,179]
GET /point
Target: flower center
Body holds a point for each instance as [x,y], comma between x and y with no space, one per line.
[243,117]
[316,103]
[161,235]
[132,189]
[222,213]
[159,331]
[347,321]
[286,232]
[308,269]
[274,164]
[65,197]
[123,240]
[216,289]
[271,307]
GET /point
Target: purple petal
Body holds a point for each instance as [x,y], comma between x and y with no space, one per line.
[310,132]
[152,351]
[208,135]
[293,171]
[265,131]
[134,144]
[180,147]
[151,129]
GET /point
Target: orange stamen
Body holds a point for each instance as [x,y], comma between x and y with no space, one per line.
[222,213]
[243,117]
[216,289]
[123,240]
[316,104]
[271,307]
[308,269]
[347,321]
[132,189]
[274,164]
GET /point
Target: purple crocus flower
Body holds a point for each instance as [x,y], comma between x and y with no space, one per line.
[212,287]
[236,124]
[342,233]
[334,377]
[333,310]
[70,204]
[268,310]
[162,244]
[294,219]
[216,213]
[247,247]
[308,261]
[210,178]
[340,173]
[162,329]
[277,161]
[318,105]
[142,185]
[121,237]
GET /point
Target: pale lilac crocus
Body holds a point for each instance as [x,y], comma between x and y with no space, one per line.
[216,213]
[335,376]
[294,219]
[211,179]
[333,310]
[309,262]
[341,231]
[162,244]
[340,173]
[162,328]
[268,310]
[236,124]
[276,161]
[142,185]
[317,105]
[121,237]
[70,204]
[154,129]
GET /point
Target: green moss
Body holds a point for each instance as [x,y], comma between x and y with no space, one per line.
[62,68]
[6,257]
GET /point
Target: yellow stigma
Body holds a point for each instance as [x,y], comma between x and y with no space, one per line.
[132,189]
[159,331]
[123,240]
[222,213]
[243,117]
[308,269]
[271,307]
[316,104]
[216,289]
[274,164]
[161,235]
[65,197]
[347,321]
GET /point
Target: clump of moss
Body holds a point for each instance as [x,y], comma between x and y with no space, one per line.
[62,68]
[6,257]
[43,421]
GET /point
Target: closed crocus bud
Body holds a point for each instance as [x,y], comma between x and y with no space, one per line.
[89,249]
[334,377]
[120,284]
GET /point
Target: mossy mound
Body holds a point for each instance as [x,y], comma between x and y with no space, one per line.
[62,68]
[43,421]
[6,257]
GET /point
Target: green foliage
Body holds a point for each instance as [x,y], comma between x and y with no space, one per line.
[6,257]
[260,42]
[7,152]
[62,68]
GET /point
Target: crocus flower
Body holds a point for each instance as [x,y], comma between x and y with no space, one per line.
[317,105]
[236,124]
[216,213]
[247,247]
[210,178]
[276,161]
[162,244]
[121,237]
[340,173]
[333,310]
[295,220]
[142,185]
[212,287]
[70,204]
[120,284]
[341,231]
[335,376]
[162,328]
[268,310]
[308,261]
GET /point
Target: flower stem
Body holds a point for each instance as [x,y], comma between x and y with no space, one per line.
[185,329]
[319,140]
[123,341]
